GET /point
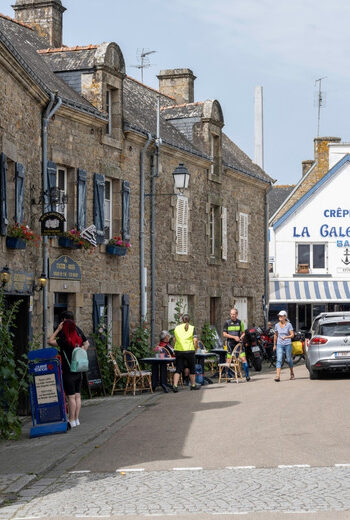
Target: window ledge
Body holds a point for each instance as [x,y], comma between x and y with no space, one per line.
[242,265]
[309,275]
[181,258]
[214,261]
[215,178]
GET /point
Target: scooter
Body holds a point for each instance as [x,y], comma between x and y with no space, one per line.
[252,348]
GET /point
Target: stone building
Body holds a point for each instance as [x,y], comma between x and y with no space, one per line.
[204,245]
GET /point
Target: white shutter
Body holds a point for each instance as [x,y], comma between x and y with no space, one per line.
[243,237]
[224,233]
[182,225]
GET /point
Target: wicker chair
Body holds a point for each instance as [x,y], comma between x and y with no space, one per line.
[170,367]
[118,375]
[233,365]
[137,379]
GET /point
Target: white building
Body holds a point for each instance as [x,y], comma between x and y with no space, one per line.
[310,240]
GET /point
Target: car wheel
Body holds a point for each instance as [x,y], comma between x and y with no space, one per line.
[313,374]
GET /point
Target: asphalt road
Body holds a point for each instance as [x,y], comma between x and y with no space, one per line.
[261,450]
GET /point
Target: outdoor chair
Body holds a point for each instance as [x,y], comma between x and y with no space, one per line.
[210,365]
[136,379]
[170,367]
[231,366]
[118,375]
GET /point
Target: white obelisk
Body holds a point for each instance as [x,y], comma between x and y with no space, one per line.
[258,127]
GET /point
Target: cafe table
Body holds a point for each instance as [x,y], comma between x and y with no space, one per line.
[200,357]
[222,353]
[159,370]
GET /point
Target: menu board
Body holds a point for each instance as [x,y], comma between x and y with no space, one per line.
[46,391]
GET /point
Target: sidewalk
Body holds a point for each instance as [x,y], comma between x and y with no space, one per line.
[26,459]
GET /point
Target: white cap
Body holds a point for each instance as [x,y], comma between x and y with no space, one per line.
[282,313]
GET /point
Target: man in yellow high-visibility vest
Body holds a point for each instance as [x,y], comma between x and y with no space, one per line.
[185,348]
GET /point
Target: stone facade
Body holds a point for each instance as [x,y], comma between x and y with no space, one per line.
[101,128]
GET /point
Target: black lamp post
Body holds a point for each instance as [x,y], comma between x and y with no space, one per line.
[181,177]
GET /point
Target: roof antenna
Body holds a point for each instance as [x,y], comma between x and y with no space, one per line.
[143,59]
[320,101]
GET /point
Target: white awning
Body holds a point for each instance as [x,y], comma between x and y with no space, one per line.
[309,291]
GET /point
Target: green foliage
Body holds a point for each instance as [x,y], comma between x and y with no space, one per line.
[208,336]
[139,343]
[13,373]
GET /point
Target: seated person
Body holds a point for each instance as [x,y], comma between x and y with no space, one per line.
[164,345]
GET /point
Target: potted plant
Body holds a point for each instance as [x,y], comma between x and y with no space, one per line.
[18,235]
[118,246]
[73,240]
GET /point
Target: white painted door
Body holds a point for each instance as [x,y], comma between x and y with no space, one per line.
[242,306]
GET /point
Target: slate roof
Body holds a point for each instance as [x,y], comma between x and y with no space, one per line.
[277,196]
[23,43]
[69,58]
[233,157]
[185,110]
[139,109]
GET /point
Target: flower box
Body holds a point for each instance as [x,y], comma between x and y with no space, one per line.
[116,250]
[303,268]
[15,243]
[67,243]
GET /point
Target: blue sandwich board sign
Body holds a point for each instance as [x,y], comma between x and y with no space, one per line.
[46,393]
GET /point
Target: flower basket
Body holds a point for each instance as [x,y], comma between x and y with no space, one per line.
[68,243]
[116,250]
[15,243]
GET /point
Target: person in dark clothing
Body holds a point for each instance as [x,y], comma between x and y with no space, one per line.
[66,337]
[233,331]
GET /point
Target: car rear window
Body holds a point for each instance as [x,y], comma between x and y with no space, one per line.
[341,328]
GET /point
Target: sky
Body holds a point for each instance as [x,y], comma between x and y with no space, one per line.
[233,46]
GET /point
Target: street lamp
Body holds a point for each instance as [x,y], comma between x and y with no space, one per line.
[42,281]
[5,276]
[181,177]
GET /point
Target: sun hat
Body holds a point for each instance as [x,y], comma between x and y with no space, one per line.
[282,313]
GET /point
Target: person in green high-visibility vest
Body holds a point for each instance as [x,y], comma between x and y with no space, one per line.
[185,348]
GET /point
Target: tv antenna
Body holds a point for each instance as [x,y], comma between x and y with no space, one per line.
[321,102]
[143,58]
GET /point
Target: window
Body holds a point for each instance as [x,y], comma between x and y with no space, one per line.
[311,257]
[212,231]
[109,111]
[243,237]
[61,184]
[108,209]
[182,225]
[215,153]
[215,231]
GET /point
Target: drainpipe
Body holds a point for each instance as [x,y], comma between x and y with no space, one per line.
[47,115]
[142,232]
[266,258]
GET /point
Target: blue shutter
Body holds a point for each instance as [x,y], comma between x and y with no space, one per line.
[99,211]
[3,194]
[19,192]
[98,310]
[125,322]
[81,202]
[126,210]
[51,182]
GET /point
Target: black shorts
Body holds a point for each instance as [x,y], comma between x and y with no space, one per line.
[72,383]
[185,359]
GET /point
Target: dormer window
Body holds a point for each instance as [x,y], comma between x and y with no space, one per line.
[109,110]
[215,154]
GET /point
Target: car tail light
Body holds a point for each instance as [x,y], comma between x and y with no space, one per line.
[318,341]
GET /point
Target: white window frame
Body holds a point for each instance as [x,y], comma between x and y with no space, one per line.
[62,208]
[243,224]
[312,270]
[214,139]
[224,233]
[182,218]
[109,110]
[108,207]
[212,230]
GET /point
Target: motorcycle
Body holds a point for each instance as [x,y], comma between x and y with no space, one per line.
[252,348]
[266,345]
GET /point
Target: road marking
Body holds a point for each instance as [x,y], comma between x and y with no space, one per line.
[81,471]
[231,513]
[282,466]
[92,516]
[345,465]
[298,512]
[240,467]
[188,469]
[125,470]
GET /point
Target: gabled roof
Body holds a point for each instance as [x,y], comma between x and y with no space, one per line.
[277,196]
[315,187]
[23,43]
[69,58]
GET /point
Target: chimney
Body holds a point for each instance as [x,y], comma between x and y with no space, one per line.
[177,83]
[321,153]
[306,165]
[45,16]
[258,127]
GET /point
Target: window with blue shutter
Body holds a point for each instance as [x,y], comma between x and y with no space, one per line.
[81,199]
[51,183]
[125,322]
[99,200]
[19,193]
[126,210]
[98,311]
[3,194]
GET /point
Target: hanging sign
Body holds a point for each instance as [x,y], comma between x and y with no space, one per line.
[65,268]
[52,223]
